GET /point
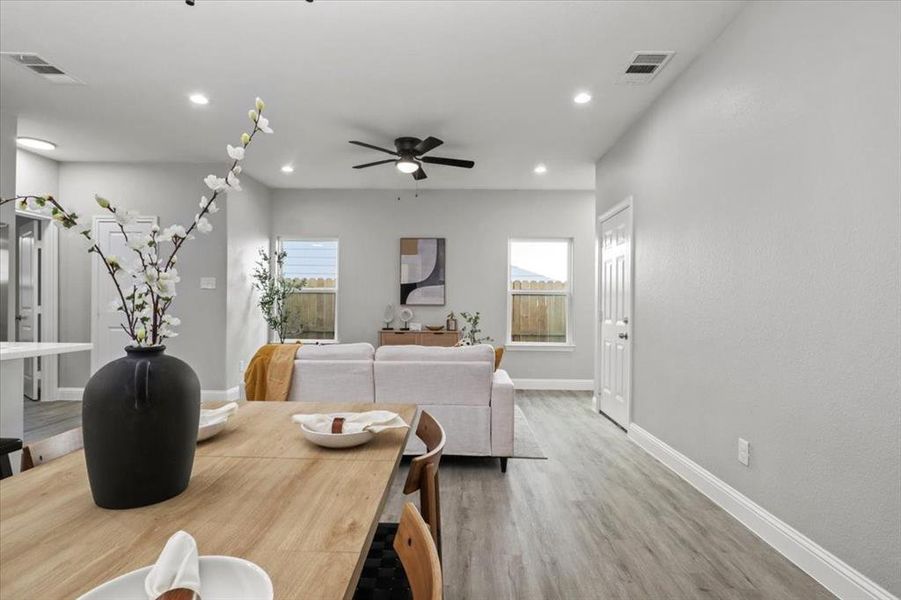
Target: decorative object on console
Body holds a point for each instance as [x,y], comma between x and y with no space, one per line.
[274,291]
[435,327]
[405,315]
[422,271]
[451,322]
[388,317]
[415,326]
[472,335]
[140,412]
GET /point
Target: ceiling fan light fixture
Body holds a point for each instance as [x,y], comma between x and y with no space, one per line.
[407,165]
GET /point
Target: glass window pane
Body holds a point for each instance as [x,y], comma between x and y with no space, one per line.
[311,316]
[539,318]
[541,261]
[316,261]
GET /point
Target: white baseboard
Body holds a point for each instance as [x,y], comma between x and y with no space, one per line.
[554,384]
[205,395]
[69,394]
[834,574]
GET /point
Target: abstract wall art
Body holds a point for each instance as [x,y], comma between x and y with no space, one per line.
[422,271]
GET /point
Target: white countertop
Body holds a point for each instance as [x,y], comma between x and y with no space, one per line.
[14,350]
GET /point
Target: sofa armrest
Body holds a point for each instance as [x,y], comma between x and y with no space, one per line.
[501,414]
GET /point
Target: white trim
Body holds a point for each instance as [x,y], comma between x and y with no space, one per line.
[69,394]
[538,347]
[231,394]
[628,203]
[837,576]
[553,384]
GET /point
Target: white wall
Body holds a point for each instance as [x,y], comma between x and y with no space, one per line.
[768,279]
[247,232]
[36,175]
[170,192]
[8,126]
[477,225]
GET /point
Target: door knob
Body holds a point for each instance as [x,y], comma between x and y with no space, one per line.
[626,320]
[624,336]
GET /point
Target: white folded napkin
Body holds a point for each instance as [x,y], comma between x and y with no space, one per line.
[212,415]
[177,567]
[373,420]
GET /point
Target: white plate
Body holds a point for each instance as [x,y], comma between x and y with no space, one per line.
[221,578]
[336,440]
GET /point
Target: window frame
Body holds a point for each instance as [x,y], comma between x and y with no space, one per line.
[279,244]
[568,345]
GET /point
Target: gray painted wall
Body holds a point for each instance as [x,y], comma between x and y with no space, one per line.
[247,231]
[36,175]
[8,126]
[170,192]
[477,225]
[768,235]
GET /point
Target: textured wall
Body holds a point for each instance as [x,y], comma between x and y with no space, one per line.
[768,279]
[477,225]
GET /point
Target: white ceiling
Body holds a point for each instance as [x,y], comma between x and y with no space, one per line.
[495,80]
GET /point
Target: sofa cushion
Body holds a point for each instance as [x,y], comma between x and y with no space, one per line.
[480,352]
[360,351]
[433,382]
[332,381]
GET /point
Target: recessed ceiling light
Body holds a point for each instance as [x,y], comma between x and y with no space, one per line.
[582,98]
[287,169]
[540,168]
[35,143]
[199,99]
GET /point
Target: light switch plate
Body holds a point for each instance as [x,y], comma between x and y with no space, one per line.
[744,451]
[208,283]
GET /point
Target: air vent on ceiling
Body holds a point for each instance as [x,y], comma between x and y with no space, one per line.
[644,66]
[42,67]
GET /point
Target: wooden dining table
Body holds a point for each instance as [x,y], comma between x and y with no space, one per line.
[259,491]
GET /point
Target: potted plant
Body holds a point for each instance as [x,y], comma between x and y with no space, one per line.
[274,289]
[140,412]
[472,335]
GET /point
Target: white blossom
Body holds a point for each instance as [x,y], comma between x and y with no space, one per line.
[115,305]
[214,182]
[213,208]
[233,182]
[235,153]
[125,217]
[171,232]
[237,170]
[203,225]
[260,105]
[263,124]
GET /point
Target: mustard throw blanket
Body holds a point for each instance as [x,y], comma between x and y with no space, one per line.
[268,376]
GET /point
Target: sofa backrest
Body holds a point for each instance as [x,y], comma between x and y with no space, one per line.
[359,351]
[479,352]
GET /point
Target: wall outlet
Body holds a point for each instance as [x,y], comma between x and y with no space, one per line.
[744,451]
[208,283]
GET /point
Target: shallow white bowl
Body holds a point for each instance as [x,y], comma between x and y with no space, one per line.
[208,430]
[336,440]
[221,578]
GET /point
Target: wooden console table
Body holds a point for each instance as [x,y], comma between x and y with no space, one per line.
[398,337]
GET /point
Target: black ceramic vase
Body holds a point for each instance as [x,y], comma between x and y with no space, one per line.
[139,416]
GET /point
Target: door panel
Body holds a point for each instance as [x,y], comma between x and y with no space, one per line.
[614,389]
[27,301]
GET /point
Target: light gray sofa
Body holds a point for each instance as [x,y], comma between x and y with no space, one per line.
[458,386]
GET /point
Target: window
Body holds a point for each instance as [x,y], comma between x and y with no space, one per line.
[539,292]
[312,312]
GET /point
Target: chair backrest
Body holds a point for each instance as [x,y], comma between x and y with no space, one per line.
[418,554]
[423,474]
[38,453]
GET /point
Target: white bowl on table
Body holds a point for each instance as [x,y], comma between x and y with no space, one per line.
[221,578]
[336,440]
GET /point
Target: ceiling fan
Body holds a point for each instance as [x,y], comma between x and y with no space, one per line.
[409,152]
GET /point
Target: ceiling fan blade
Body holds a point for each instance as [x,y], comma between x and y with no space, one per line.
[427,145]
[372,164]
[451,162]
[365,145]
[419,174]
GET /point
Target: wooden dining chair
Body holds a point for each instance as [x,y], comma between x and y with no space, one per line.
[419,555]
[383,575]
[37,453]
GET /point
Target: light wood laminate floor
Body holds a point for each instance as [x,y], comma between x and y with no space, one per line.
[599,519]
[47,418]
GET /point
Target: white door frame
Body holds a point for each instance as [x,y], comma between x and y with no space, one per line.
[96,273]
[615,209]
[49,300]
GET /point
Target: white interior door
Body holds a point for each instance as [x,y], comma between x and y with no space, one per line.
[615,385]
[27,299]
[107,335]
